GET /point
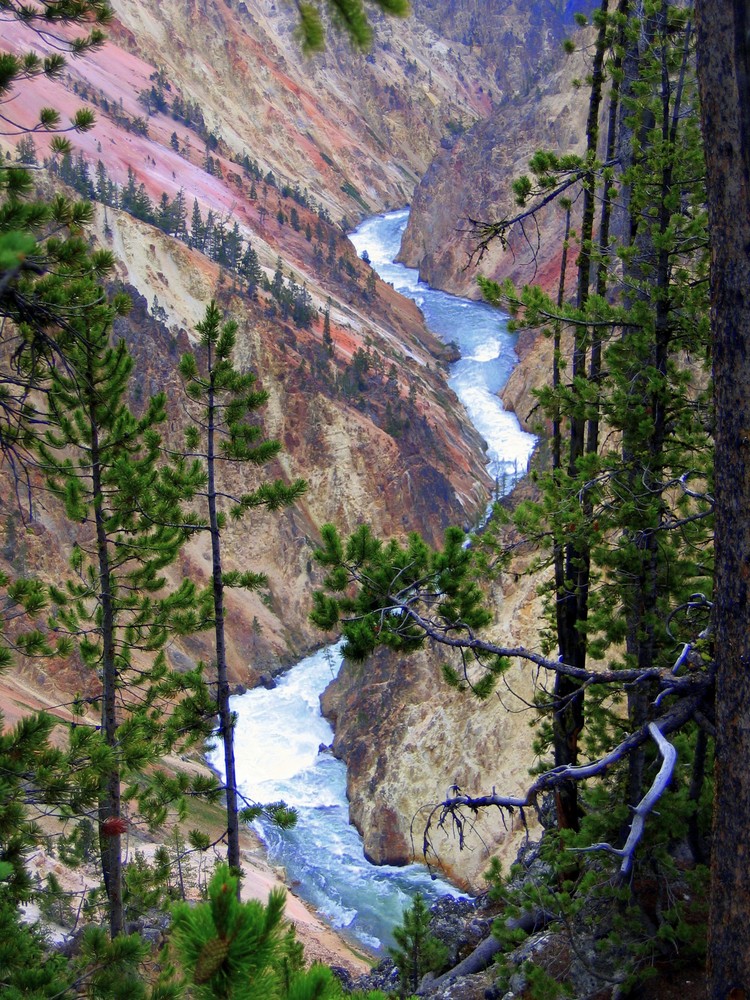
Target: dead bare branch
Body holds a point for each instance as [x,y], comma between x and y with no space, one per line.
[644,807]
[460,810]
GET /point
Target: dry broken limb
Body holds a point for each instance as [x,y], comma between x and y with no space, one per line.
[459,810]
[645,806]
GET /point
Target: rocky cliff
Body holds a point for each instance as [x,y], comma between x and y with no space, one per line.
[518,43]
[407,737]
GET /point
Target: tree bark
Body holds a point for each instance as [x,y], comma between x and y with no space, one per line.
[573,571]
[723,28]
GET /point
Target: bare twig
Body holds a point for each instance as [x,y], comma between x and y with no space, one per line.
[453,809]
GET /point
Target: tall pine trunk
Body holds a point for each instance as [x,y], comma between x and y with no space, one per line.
[650,274]
[572,571]
[723,28]
[110,805]
[226,722]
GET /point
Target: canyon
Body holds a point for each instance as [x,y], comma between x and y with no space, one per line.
[441,113]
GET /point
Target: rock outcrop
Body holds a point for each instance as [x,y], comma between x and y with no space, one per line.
[407,737]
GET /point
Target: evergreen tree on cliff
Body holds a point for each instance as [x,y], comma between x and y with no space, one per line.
[101,463]
[225,435]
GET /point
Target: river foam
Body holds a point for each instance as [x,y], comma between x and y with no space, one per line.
[481,334]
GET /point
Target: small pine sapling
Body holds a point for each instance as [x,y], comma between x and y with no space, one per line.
[418,951]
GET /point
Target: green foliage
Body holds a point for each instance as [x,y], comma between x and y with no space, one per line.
[418,951]
[661,914]
[49,20]
[347,15]
[55,903]
[379,593]
[542,986]
[349,189]
[79,846]
[41,249]
[117,969]
[145,885]
[621,520]
[35,775]
[244,951]
[231,398]
[27,970]
[21,620]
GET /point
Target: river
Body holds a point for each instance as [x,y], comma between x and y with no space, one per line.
[481,333]
[279,733]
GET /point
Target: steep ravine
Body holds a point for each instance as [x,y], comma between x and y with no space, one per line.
[405,735]
[423,476]
[356,131]
[471,178]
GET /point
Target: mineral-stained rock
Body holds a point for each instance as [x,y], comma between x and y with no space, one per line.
[472,181]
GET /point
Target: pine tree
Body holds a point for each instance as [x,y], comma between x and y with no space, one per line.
[327,338]
[277,282]
[623,524]
[251,271]
[27,969]
[165,219]
[197,231]
[234,248]
[418,951]
[179,215]
[224,435]
[244,951]
[102,463]
[611,510]
[35,273]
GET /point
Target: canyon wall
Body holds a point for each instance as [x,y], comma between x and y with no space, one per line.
[408,737]
[470,180]
[353,133]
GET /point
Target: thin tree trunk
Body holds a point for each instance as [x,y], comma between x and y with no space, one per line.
[563,724]
[723,30]
[646,464]
[110,805]
[605,217]
[226,723]
[572,598]
[556,419]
